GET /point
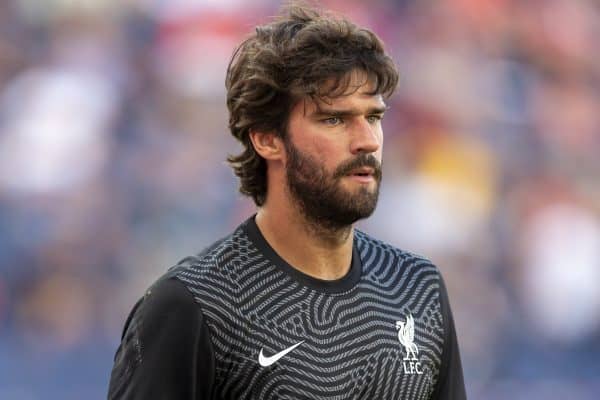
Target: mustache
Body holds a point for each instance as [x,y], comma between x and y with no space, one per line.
[362,160]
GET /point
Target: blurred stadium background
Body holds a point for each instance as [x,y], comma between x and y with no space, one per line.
[112,145]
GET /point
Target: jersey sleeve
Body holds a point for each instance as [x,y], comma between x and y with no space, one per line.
[166,350]
[451,384]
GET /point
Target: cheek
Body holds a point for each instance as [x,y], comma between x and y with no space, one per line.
[380,135]
[326,152]
[379,152]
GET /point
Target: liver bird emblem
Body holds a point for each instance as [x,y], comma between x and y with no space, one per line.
[406,336]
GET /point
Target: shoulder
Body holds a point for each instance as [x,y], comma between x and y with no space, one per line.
[214,277]
[221,254]
[168,302]
[205,266]
[378,254]
[167,295]
[167,306]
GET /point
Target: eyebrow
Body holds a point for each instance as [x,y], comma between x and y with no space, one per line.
[348,112]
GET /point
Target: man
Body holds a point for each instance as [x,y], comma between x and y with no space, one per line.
[296,303]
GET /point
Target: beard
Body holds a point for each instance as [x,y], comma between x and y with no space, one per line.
[320,196]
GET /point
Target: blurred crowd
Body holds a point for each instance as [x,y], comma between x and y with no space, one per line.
[113,136]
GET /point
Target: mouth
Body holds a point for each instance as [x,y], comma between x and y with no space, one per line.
[362,172]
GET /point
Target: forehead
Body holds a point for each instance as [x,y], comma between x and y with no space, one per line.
[355,90]
[347,84]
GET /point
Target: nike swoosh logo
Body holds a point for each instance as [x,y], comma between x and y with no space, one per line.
[266,361]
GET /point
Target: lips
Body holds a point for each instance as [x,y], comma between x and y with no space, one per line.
[362,175]
[362,171]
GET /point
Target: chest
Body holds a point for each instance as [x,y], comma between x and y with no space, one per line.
[365,345]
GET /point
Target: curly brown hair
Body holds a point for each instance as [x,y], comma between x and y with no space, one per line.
[285,61]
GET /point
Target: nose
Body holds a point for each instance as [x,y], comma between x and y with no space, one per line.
[366,138]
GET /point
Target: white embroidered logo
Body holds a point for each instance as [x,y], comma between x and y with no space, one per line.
[266,361]
[406,336]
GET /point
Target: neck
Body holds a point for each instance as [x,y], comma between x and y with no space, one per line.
[319,251]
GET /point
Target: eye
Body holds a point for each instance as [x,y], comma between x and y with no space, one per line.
[332,121]
[372,119]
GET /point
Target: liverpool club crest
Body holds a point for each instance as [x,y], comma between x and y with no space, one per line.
[406,336]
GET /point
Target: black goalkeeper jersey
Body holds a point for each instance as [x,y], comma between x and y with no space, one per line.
[238,322]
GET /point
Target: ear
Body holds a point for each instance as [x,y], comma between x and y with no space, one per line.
[268,145]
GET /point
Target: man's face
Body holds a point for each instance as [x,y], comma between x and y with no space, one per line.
[334,156]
